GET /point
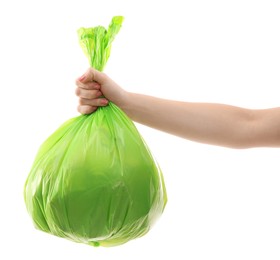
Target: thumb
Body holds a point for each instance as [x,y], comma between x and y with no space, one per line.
[93,75]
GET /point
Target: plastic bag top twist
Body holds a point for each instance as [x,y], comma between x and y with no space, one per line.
[96,42]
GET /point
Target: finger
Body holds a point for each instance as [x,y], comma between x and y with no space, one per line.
[86,109]
[88,94]
[93,75]
[88,85]
[98,102]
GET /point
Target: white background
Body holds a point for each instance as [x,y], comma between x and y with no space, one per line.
[223,203]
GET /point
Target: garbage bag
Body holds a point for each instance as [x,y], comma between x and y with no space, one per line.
[94,180]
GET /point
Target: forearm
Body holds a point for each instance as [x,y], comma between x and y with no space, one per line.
[215,124]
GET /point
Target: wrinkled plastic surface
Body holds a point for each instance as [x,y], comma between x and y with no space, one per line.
[94,180]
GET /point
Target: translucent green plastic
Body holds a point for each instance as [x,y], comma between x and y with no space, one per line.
[94,179]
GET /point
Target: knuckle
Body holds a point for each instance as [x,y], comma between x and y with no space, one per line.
[82,101]
[80,109]
[85,109]
[89,109]
[77,91]
[78,83]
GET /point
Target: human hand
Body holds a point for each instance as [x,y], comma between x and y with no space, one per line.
[96,89]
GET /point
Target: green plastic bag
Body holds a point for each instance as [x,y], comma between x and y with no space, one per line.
[94,179]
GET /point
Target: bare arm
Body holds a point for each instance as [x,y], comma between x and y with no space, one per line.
[215,124]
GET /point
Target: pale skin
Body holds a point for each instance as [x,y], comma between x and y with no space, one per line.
[209,123]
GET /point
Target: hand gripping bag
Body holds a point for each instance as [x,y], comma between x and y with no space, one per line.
[94,179]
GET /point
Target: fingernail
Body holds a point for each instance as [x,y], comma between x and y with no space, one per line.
[104,101]
[97,86]
[82,77]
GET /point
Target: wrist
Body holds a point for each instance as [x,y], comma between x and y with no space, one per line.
[123,102]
